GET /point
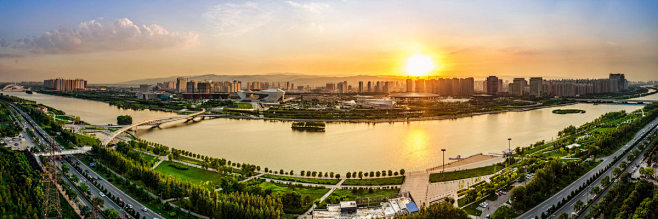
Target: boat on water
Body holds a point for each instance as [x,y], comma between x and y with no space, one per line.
[308,126]
[459,157]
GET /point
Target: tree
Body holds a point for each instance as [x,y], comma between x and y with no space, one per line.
[338,176]
[402,172]
[605,181]
[84,187]
[595,190]
[124,120]
[348,175]
[360,175]
[97,202]
[578,205]
[442,210]
[648,172]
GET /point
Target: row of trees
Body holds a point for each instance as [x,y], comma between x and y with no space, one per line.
[8,127]
[227,204]
[21,194]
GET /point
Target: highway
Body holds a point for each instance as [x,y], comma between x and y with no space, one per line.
[564,193]
[584,195]
[628,169]
[95,191]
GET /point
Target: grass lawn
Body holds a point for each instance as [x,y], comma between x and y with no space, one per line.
[375,181]
[279,188]
[363,196]
[315,193]
[302,180]
[473,209]
[191,174]
[463,174]
[242,106]
[86,140]
[189,160]
[150,158]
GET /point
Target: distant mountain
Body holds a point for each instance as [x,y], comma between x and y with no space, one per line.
[297,79]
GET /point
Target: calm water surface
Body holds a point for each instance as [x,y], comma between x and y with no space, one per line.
[344,146]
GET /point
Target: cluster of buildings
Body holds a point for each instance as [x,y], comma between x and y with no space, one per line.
[348,209]
[60,84]
[539,87]
[184,85]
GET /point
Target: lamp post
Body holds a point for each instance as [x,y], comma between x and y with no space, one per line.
[509,148]
[443,150]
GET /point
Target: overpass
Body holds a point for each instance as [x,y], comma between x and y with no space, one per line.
[152,122]
[82,150]
[618,101]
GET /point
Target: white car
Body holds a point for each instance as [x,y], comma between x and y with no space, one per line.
[101,194]
[484,205]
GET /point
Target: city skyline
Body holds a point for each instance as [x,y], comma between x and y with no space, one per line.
[110,43]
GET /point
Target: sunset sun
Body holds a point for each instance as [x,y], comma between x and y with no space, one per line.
[419,65]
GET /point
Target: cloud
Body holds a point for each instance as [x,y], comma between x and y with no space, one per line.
[312,7]
[94,36]
[236,19]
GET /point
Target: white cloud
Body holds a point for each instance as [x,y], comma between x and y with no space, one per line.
[94,36]
[312,7]
[236,19]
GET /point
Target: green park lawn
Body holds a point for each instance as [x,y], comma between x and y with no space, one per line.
[398,180]
[302,180]
[464,174]
[376,193]
[279,188]
[191,174]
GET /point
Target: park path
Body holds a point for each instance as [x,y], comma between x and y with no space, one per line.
[309,212]
[252,177]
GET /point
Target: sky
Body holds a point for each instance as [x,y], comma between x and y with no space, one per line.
[115,41]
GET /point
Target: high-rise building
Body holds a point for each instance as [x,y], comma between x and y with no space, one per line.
[369,86]
[330,87]
[420,86]
[60,84]
[181,85]
[204,87]
[536,86]
[360,87]
[467,86]
[145,88]
[191,86]
[492,85]
[410,85]
[518,86]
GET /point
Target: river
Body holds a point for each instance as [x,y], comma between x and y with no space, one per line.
[344,146]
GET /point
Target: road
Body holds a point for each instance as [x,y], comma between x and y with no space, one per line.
[585,195]
[564,193]
[110,188]
[628,169]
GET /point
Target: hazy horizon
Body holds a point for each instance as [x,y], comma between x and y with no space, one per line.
[112,42]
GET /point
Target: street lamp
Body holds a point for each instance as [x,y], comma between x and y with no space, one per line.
[509,147]
[443,151]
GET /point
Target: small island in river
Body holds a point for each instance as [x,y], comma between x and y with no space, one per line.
[568,111]
[308,126]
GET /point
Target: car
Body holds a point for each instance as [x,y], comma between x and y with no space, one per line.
[144,209]
[504,192]
[484,204]
[130,206]
[101,194]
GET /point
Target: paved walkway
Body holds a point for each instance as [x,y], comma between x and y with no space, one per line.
[309,212]
[252,177]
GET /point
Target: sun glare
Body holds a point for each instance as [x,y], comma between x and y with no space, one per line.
[419,65]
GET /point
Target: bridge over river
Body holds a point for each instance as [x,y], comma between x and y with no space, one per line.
[153,123]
